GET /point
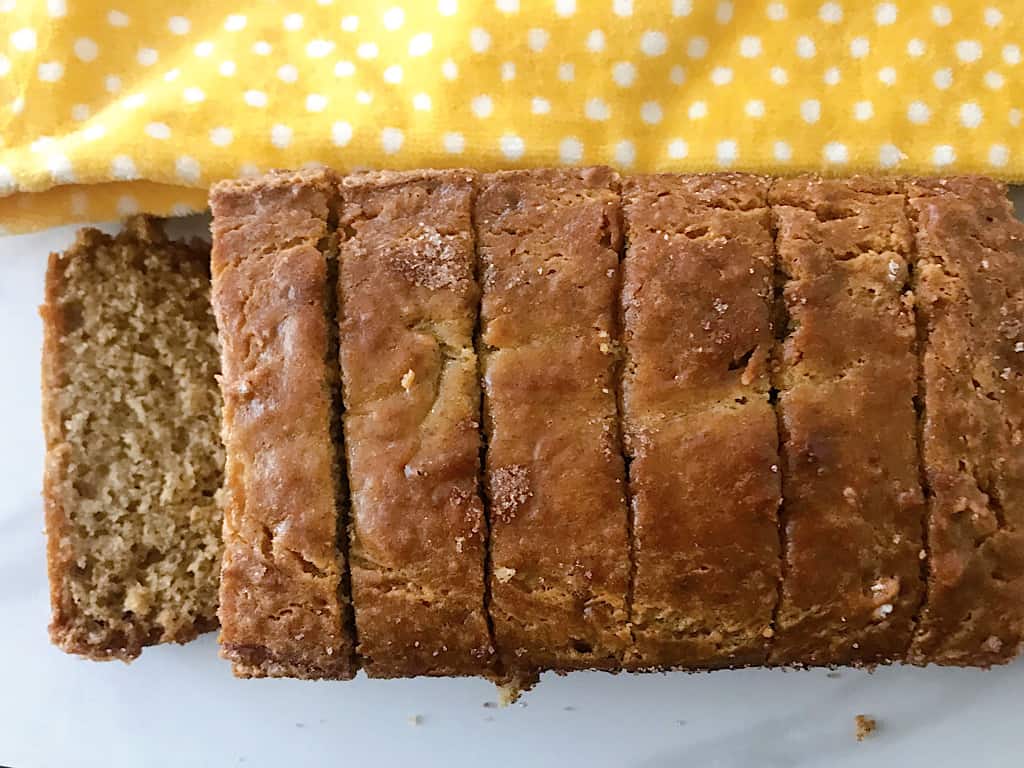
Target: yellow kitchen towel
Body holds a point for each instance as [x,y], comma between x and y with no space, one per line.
[113,106]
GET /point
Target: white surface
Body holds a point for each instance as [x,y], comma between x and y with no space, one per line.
[179,706]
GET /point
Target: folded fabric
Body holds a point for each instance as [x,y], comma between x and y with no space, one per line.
[109,107]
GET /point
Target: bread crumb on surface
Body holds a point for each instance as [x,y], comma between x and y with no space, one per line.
[416,720]
[866,725]
[408,379]
[504,574]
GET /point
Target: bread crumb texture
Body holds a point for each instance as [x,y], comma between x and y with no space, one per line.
[134,458]
[866,725]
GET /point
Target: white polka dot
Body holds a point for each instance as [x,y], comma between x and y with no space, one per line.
[247,170]
[421,44]
[889,155]
[221,136]
[885,14]
[134,100]
[182,209]
[147,57]
[537,39]
[859,47]
[57,9]
[778,75]
[810,110]
[508,71]
[678,149]
[754,108]
[349,23]
[650,112]
[805,47]
[179,25]
[565,7]
[941,15]
[595,41]
[943,154]
[540,106]
[479,39]
[623,73]
[293,22]
[316,102]
[776,11]
[723,12]
[998,155]
[918,113]
[187,168]
[625,153]
[94,132]
[453,143]
[863,110]
[367,51]
[393,18]
[118,19]
[831,13]
[288,73]
[235,22]
[227,68]
[203,49]
[994,80]
[835,152]
[1011,54]
[622,7]
[698,110]
[85,49]
[507,6]
[193,95]
[421,102]
[123,168]
[262,48]
[943,78]
[993,17]
[968,51]
[512,146]
[916,48]
[344,69]
[80,112]
[596,109]
[482,105]
[570,150]
[697,47]
[158,130]
[566,72]
[750,46]
[970,115]
[171,75]
[391,140]
[887,75]
[653,43]
[127,205]
[726,152]
[23,40]
[447,7]
[1015,117]
[280,135]
[682,7]
[341,133]
[449,69]
[50,71]
[677,75]
[255,98]
[112,83]
[721,75]
[317,49]
[832,76]
[393,74]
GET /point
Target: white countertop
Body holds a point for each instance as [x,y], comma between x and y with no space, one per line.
[179,706]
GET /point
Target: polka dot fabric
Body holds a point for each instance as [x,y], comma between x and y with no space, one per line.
[112,107]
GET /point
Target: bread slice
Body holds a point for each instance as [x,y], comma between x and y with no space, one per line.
[131,414]
[284,598]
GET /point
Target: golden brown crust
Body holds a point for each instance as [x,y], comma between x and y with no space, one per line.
[407,309]
[846,376]
[548,243]
[969,281]
[699,429]
[74,627]
[283,604]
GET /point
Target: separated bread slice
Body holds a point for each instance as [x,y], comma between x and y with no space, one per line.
[131,413]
